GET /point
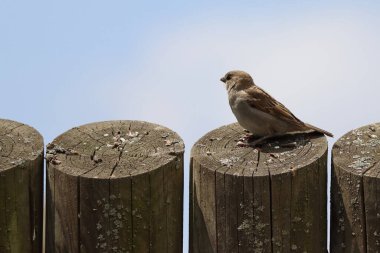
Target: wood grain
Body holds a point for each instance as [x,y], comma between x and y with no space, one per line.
[355,210]
[21,188]
[115,186]
[271,199]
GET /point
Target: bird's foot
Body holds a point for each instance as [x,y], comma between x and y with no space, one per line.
[250,141]
[242,144]
[244,140]
[247,137]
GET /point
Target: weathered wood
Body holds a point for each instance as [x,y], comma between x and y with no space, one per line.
[271,199]
[115,186]
[173,179]
[21,188]
[355,208]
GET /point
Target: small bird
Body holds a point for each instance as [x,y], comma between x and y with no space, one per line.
[258,112]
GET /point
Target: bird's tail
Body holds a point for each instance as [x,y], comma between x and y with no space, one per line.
[319,130]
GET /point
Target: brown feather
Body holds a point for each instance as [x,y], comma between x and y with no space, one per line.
[264,102]
[317,129]
[258,111]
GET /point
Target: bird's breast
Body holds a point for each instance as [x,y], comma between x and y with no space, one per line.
[257,122]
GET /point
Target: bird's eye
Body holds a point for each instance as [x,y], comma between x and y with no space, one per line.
[228,77]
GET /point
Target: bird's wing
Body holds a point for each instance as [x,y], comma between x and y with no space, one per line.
[264,102]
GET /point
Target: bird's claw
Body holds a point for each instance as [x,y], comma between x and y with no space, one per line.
[246,144]
[247,137]
[241,143]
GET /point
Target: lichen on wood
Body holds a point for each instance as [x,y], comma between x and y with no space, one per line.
[115,186]
[355,207]
[266,199]
[21,188]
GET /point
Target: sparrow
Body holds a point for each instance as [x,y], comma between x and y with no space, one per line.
[258,112]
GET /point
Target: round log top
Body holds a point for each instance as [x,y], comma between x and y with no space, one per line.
[358,151]
[19,143]
[114,149]
[217,150]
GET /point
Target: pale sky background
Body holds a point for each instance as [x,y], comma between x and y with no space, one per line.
[67,63]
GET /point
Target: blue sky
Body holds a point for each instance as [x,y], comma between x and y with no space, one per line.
[64,64]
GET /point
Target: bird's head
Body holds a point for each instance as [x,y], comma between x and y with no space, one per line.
[237,80]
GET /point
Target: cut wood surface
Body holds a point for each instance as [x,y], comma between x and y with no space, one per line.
[21,188]
[115,186]
[271,199]
[355,191]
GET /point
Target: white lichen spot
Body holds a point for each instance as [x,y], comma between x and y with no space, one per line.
[297,219]
[284,232]
[20,161]
[373,143]
[112,212]
[244,225]
[118,223]
[362,162]
[260,208]
[229,161]
[133,134]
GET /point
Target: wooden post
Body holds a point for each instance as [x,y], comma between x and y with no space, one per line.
[21,188]
[267,200]
[115,186]
[355,191]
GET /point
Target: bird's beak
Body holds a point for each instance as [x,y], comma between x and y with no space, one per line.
[223,79]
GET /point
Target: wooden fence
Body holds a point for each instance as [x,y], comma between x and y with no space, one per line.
[21,188]
[355,191]
[117,186]
[271,199]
